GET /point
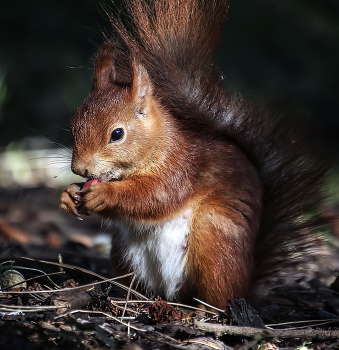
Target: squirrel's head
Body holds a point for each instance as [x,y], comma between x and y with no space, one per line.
[118,129]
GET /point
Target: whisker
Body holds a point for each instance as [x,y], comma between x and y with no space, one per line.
[55,142]
[53,158]
[58,144]
[68,130]
[58,156]
[61,170]
[75,67]
[54,163]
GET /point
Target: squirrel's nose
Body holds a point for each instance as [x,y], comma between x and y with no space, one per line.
[79,168]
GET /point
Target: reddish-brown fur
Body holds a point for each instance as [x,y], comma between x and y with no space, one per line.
[184,148]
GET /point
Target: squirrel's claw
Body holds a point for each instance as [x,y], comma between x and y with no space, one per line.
[92,199]
[69,200]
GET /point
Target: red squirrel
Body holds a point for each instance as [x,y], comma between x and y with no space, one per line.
[207,195]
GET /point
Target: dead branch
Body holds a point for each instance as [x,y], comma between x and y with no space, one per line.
[307,333]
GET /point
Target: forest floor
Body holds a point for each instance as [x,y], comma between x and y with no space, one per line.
[62,295]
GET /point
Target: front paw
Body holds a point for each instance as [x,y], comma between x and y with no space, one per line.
[70,198]
[95,198]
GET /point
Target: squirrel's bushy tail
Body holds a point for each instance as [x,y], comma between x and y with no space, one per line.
[293,179]
[175,40]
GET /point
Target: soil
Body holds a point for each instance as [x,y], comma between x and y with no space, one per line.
[62,296]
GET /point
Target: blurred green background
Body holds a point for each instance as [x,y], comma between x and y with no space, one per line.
[283,52]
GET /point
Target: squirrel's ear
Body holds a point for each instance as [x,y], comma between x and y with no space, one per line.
[141,90]
[112,66]
[122,71]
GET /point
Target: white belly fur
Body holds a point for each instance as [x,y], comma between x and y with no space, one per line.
[156,252]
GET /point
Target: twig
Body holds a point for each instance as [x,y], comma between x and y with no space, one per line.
[60,290]
[313,324]
[33,309]
[111,280]
[127,297]
[220,330]
[294,322]
[127,309]
[102,313]
[60,262]
[173,304]
[26,307]
[208,305]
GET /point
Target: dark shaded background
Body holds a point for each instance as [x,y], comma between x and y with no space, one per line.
[283,52]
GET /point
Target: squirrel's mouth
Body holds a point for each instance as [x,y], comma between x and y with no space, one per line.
[95,181]
[91,182]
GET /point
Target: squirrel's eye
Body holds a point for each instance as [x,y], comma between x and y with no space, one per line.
[117,135]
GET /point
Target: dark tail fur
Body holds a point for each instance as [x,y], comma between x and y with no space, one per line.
[176,40]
